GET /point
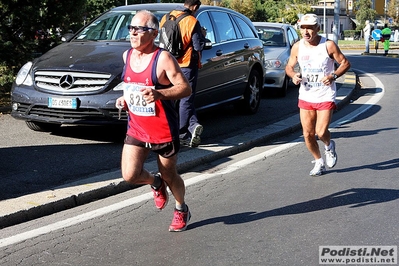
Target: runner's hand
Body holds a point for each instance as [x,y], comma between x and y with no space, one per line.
[297,78]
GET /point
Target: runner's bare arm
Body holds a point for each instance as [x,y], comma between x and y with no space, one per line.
[292,61]
[339,57]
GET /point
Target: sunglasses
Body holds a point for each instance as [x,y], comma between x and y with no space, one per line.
[139,29]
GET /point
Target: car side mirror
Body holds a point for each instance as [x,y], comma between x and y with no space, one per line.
[67,37]
[208,44]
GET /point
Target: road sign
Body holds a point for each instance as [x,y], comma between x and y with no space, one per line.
[376,34]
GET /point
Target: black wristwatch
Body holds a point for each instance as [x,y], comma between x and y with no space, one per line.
[334,76]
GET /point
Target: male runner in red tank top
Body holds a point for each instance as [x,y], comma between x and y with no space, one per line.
[153,81]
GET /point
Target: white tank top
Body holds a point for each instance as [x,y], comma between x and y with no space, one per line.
[315,64]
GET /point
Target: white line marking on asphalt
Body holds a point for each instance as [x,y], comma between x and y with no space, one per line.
[372,101]
[148,196]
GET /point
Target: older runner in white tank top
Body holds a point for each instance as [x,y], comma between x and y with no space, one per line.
[315,64]
[316,55]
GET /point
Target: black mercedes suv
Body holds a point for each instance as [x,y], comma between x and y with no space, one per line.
[77,81]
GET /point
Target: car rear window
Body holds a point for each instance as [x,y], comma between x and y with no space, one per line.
[271,36]
[245,28]
[224,26]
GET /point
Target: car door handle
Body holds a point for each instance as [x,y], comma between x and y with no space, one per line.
[219,52]
[246,45]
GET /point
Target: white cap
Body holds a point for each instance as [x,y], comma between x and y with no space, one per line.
[308,19]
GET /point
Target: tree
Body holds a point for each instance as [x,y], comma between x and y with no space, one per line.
[292,10]
[182,1]
[272,10]
[94,8]
[246,7]
[29,29]
[20,25]
[392,10]
[364,12]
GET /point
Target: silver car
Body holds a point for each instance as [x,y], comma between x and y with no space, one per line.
[278,40]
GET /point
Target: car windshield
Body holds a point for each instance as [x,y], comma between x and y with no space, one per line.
[271,36]
[111,26]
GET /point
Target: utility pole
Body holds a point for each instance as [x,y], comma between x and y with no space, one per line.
[336,21]
[385,12]
[324,20]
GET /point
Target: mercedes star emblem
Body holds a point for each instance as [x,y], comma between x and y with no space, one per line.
[66,82]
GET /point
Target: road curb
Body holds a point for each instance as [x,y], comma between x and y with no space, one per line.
[33,206]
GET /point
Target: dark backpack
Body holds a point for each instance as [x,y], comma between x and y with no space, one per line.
[170,37]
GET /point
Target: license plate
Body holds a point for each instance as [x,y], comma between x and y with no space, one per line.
[67,103]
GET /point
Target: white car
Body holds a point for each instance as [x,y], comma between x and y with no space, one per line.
[278,39]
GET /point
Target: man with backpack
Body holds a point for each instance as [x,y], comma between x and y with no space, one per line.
[188,55]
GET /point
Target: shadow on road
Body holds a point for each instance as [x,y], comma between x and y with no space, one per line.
[110,133]
[35,168]
[354,198]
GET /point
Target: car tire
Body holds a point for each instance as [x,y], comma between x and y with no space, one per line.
[252,93]
[44,127]
[282,92]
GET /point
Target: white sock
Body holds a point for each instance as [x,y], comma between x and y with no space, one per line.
[328,147]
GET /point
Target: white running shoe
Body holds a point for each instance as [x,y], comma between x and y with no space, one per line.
[331,155]
[318,169]
[195,138]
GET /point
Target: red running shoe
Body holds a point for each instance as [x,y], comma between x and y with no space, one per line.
[180,221]
[161,196]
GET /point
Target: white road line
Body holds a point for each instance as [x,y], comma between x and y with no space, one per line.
[372,101]
[148,196]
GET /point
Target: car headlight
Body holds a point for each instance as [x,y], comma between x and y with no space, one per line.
[275,63]
[119,87]
[23,76]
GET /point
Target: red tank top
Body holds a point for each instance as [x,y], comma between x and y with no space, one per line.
[153,124]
